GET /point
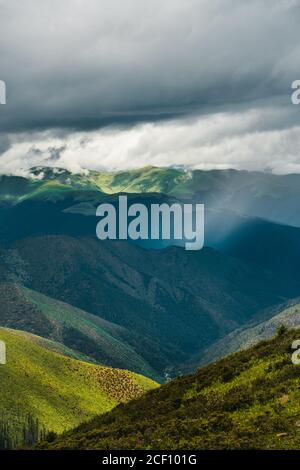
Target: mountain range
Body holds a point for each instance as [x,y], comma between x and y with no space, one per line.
[255,194]
[154,309]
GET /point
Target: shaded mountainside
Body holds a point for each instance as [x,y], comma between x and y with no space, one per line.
[273,247]
[173,302]
[59,391]
[248,335]
[249,400]
[90,336]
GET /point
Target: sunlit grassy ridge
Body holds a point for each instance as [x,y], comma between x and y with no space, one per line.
[248,400]
[56,184]
[90,337]
[147,179]
[60,391]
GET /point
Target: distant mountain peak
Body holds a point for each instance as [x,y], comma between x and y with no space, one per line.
[47,173]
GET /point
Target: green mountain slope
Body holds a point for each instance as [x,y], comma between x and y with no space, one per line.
[57,390]
[90,336]
[248,400]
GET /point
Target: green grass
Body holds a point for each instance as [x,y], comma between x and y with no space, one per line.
[143,180]
[60,391]
[249,400]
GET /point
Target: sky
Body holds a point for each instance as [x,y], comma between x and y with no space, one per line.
[111,84]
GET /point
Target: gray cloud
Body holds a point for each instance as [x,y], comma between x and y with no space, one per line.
[252,139]
[87,64]
[4,143]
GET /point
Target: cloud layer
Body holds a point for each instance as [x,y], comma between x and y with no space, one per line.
[106,84]
[253,139]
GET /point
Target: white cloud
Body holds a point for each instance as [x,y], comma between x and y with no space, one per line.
[254,139]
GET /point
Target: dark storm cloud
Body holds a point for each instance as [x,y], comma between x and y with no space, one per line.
[86,64]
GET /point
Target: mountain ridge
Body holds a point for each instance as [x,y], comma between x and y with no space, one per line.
[95,339]
[258,194]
